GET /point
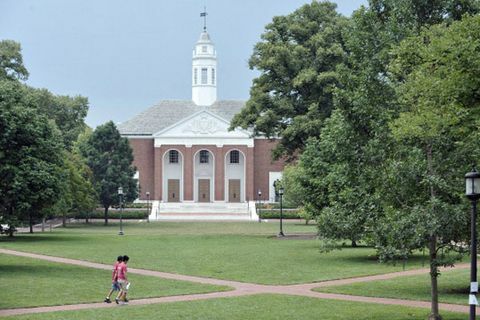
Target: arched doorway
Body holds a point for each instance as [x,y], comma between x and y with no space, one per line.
[203,176]
[172,184]
[234,176]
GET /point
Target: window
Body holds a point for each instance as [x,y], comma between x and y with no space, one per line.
[173,156]
[213,75]
[204,75]
[204,49]
[234,156]
[195,76]
[204,154]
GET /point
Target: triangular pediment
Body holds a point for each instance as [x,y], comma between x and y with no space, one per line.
[202,124]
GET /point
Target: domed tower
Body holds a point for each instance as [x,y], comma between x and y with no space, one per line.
[204,71]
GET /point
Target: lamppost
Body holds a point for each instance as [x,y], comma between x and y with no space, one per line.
[280,193]
[148,206]
[120,196]
[472,191]
[259,203]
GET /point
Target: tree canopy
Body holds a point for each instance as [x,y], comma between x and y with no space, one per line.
[297,58]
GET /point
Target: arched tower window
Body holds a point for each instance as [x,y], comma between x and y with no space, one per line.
[204,75]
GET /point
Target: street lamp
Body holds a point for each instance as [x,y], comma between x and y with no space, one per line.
[259,203]
[472,191]
[120,196]
[148,206]
[280,193]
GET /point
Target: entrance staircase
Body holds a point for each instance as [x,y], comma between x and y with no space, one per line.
[244,211]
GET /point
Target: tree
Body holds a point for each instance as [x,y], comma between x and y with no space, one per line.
[11,61]
[39,177]
[333,188]
[438,123]
[30,156]
[68,112]
[297,58]
[110,158]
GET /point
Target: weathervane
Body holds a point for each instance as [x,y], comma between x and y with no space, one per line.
[204,15]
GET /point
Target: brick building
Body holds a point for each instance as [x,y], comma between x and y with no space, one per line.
[184,152]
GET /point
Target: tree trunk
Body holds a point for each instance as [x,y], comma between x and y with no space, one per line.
[354,244]
[432,247]
[31,222]
[106,215]
[64,220]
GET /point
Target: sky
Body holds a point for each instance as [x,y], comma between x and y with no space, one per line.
[127,55]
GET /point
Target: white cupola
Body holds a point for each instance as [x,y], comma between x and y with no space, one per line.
[204,71]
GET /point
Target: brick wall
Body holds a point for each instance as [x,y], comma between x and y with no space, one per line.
[143,155]
[263,164]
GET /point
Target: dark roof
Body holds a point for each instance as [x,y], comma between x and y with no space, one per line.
[168,112]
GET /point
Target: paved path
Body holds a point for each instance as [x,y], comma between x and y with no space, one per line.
[239,288]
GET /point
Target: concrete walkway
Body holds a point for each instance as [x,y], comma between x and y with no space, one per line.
[239,288]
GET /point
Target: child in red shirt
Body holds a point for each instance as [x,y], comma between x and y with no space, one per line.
[122,280]
[115,285]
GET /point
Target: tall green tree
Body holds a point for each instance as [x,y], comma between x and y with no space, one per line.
[110,158]
[297,59]
[439,122]
[30,156]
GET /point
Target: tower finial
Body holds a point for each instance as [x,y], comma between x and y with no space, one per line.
[204,15]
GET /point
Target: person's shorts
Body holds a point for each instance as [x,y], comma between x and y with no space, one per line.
[115,286]
[123,284]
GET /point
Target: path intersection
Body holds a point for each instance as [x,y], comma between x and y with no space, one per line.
[238,288]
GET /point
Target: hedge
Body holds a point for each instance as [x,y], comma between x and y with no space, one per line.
[275,214]
[113,214]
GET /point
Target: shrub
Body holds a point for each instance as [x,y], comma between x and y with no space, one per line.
[113,214]
[275,214]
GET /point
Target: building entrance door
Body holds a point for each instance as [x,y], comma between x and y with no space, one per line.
[173,190]
[203,190]
[234,190]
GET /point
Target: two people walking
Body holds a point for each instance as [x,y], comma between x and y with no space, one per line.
[119,280]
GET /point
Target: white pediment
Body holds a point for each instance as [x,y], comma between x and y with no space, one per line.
[199,125]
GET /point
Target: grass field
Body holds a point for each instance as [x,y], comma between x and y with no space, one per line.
[258,307]
[453,287]
[247,252]
[26,282]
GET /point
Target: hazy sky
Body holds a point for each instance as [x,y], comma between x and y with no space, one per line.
[126,55]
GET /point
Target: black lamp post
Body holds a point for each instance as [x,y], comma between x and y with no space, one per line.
[472,183]
[148,206]
[120,196]
[259,203]
[280,193]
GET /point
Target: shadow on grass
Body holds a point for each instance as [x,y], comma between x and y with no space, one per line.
[460,291]
[417,260]
[31,270]
[21,238]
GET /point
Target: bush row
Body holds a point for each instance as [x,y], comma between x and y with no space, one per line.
[115,214]
[275,214]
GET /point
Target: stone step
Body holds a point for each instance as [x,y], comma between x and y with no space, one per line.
[202,211]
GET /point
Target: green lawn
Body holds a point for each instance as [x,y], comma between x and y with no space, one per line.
[247,252]
[453,287]
[26,282]
[258,307]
